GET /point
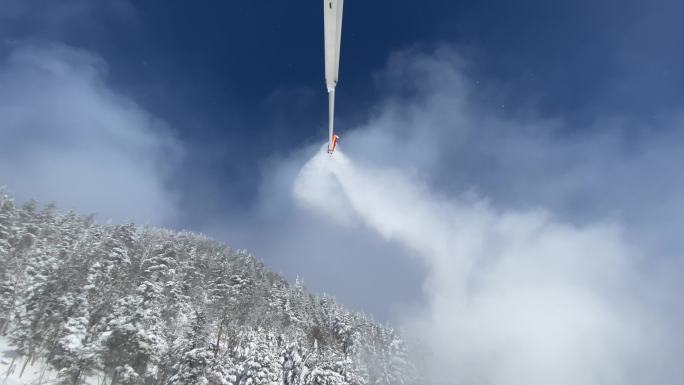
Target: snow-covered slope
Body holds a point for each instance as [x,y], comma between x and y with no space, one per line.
[9,373]
[39,372]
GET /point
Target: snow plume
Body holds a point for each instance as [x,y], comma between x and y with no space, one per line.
[550,249]
[68,137]
[513,297]
[464,133]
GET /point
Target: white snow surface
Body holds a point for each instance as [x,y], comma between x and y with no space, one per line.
[36,373]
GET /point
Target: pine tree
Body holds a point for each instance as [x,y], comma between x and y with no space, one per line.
[36,305]
[322,367]
[134,340]
[195,355]
[8,264]
[7,220]
[75,354]
[293,364]
[258,358]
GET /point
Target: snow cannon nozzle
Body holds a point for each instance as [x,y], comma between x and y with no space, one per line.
[333,145]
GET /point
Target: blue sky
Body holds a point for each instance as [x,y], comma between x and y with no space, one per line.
[198,116]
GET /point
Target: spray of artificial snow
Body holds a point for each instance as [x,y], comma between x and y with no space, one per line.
[513,297]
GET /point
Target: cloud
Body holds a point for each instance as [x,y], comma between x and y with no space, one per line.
[67,137]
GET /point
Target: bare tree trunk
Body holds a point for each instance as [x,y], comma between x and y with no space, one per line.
[35,357]
[218,339]
[10,369]
[220,332]
[24,367]
[52,351]
[42,373]
[78,374]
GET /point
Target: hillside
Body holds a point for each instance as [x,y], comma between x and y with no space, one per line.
[139,305]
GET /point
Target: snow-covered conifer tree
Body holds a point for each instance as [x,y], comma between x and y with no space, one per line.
[75,354]
[150,306]
[195,355]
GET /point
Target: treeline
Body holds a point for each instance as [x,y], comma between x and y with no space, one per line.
[150,306]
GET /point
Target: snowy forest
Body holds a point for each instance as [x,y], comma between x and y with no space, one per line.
[140,305]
